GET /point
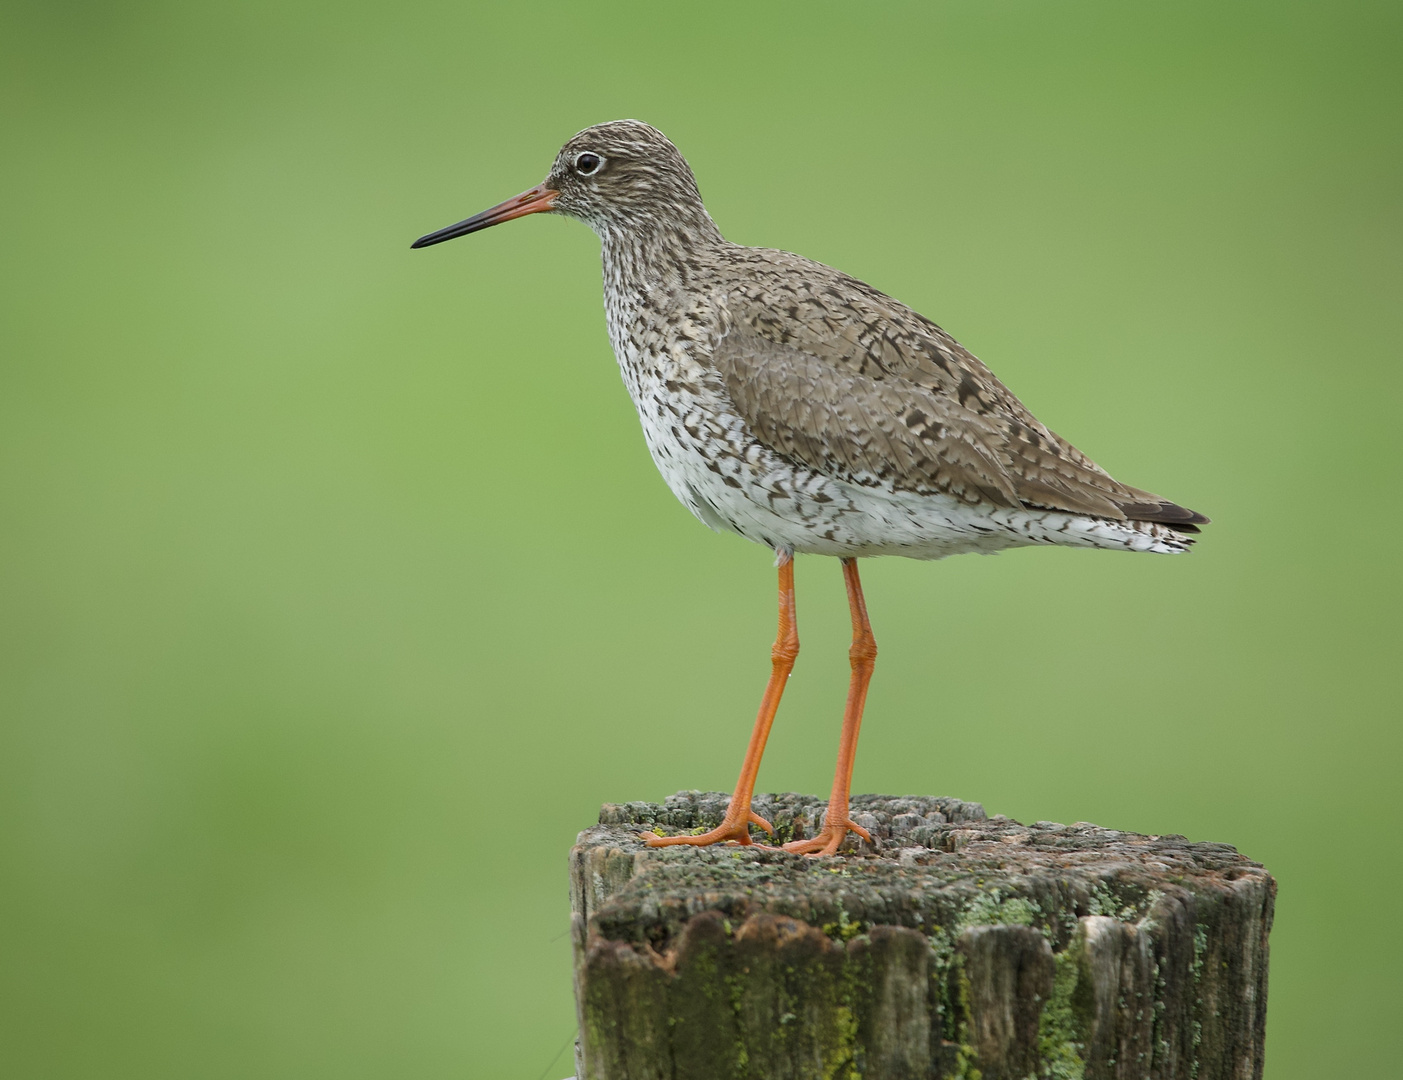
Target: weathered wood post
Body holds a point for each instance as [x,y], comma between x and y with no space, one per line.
[962,946]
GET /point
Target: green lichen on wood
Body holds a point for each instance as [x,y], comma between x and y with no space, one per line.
[1065,1019]
[843,928]
[840,1063]
[992,908]
[965,1053]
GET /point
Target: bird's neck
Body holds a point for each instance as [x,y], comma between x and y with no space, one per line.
[662,253]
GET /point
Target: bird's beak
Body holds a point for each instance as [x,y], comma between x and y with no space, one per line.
[540,198]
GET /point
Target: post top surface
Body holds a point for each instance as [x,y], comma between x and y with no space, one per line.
[937,861]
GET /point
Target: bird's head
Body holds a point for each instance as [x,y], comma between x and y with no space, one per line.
[615,177]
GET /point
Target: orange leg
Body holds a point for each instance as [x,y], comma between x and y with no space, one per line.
[736,824]
[863,657]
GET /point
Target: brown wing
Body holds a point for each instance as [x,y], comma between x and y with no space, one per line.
[837,376]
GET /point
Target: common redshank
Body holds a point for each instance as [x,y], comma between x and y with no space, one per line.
[806,411]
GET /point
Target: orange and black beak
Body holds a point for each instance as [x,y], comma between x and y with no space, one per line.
[540,198]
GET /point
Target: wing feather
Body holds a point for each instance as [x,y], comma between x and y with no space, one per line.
[855,385]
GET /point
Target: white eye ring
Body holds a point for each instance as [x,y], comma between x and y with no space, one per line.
[588,163]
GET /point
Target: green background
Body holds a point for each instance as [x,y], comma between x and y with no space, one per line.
[337,589]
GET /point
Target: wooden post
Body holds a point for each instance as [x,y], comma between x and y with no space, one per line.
[961,946]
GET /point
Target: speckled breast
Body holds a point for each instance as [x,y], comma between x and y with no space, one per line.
[732,482]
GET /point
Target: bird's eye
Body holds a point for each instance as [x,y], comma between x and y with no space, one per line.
[588,164]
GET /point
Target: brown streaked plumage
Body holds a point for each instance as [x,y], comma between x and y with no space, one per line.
[805,410]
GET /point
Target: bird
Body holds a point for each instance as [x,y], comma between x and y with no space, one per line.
[808,412]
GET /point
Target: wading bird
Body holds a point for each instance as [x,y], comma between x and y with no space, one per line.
[806,411]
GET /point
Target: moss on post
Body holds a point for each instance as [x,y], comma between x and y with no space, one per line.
[958,946]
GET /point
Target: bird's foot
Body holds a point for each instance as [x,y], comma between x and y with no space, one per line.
[734,828]
[830,837]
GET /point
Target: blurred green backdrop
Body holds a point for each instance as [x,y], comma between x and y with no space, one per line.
[339,590]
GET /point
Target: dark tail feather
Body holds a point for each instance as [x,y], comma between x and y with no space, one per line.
[1179,518]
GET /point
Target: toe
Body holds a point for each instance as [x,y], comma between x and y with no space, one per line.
[828,841]
[726,832]
[805,847]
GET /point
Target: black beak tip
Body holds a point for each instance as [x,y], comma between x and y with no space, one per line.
[450,233]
